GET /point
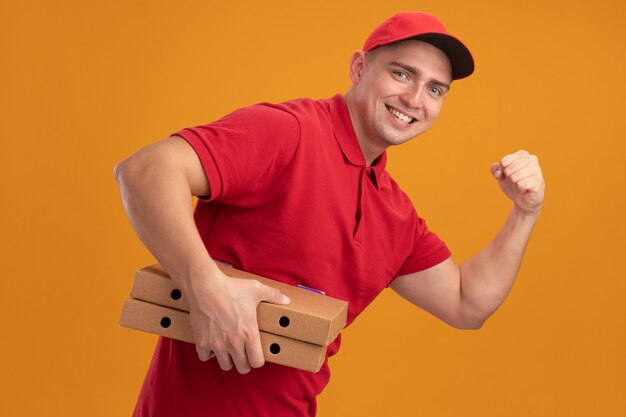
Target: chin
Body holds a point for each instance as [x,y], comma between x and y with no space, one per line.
[400,139]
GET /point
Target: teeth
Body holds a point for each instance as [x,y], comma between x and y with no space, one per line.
[401,116]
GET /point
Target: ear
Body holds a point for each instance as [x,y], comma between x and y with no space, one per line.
[357,64]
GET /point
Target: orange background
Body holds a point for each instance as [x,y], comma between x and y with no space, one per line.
[84,84]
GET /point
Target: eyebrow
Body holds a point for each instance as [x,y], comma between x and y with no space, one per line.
[415,71]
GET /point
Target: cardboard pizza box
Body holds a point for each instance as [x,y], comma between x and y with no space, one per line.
[310,317]
[173,323]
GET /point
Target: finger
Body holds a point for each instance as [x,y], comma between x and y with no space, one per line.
[220,353]
[496,170]
[204,352]
[517,165]
[506,160]
[224,359]
[523,174]
[203,345]
[523,168]
[240,359]
[270,294]
[530,184]
[254,351]
[236,350]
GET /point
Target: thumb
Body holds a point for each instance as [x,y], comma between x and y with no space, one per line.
[496,171]
[273,295]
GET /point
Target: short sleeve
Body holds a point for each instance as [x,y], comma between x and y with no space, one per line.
[428,250]
[244,152]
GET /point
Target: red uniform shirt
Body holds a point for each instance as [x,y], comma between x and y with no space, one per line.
[292,200]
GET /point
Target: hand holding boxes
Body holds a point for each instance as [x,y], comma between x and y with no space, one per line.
[295,335]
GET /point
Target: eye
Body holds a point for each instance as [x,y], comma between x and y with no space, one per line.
[401,75]
[436,91]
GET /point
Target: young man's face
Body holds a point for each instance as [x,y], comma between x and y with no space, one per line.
[397,92]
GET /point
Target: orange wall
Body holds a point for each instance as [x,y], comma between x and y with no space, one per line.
[84,84]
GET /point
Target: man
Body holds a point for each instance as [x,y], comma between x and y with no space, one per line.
[298,192]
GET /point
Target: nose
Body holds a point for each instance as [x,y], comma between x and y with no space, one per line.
[413,97]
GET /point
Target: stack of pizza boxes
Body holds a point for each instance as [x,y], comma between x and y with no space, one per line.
[295,335]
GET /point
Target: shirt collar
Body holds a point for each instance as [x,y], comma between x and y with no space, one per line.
[348,143]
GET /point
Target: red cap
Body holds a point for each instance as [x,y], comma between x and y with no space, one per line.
[427,28]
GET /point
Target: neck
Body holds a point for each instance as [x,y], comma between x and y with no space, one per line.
[368,148]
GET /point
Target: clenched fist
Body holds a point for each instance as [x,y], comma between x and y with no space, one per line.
[520,178]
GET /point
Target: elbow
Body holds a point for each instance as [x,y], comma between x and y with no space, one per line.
[126,172]
[471,316]
[123,171]
[470,322]
[473,325]
[117,172]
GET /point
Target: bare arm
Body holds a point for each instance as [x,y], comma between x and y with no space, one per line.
[466,296]
[157,184]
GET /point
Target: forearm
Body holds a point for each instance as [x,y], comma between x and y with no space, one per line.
[157,185]
[466,296]
[487,277]
[157,198]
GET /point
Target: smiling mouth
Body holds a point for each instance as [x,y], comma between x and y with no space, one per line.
[400,116]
